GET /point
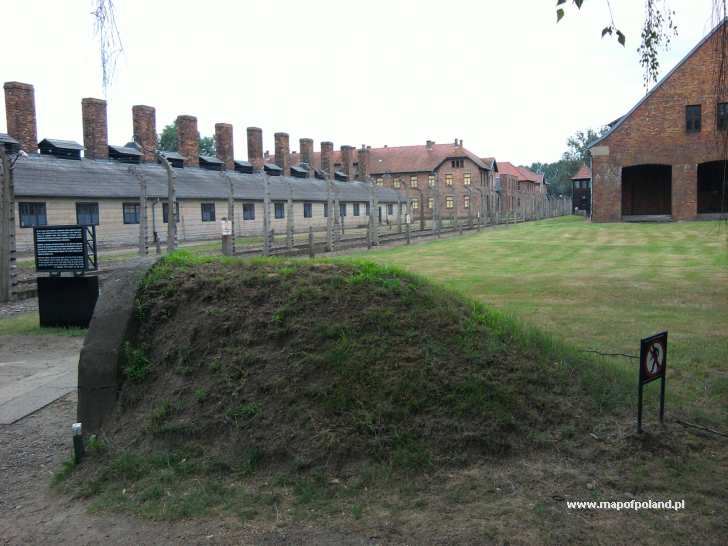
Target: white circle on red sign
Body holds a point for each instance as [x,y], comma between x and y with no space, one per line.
[655,359]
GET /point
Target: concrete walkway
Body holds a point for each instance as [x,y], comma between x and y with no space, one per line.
[35,370]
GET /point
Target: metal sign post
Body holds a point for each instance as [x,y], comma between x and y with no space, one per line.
[653,363]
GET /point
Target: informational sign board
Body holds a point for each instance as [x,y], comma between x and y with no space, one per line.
[653,365]
[65,248]
[226,226]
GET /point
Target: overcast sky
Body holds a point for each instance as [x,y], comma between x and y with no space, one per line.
[501,75]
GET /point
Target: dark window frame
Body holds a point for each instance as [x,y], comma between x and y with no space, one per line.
[721,112]
[210,208]
[248,211]
[94,214]
[39,216]
[693,118]
[165,212]
[308,210]
[279,210]
[390,209]
[342,210]
[356,209]
[133,216]
[326,210]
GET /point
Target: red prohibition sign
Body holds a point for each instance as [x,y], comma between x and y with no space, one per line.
[654,359]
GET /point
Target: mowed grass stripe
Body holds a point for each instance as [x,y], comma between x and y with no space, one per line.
[603,286]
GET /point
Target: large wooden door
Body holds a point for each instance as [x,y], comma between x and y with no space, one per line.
[647,190]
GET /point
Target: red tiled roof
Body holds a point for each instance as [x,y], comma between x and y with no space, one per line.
[583,174]
[408,159]
[523,174]
[507,168]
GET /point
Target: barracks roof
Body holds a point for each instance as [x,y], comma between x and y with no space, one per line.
[47,176]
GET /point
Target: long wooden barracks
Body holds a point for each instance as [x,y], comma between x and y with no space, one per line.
[56,184]
[666,158]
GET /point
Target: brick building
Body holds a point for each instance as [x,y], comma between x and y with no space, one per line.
[449,172]
[665,159]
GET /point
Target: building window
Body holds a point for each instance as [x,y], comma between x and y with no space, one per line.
[448,180]
[431,203]
[692,118]
[415,204]
[356,209]
[431,180]
[457,163]
[380,181]
[390,209]
[396,183]
[722,116]
[279,210]
[342,209]
[32,214]
[466,201]
[466,178]
[165,213]
[131,213]
[413,181]
[307,210]
[87,214]
[326,210]
[518,186]
[208,212]
[248,211]
[366,208]
[449,202]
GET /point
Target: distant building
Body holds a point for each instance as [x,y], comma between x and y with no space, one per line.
[460,174]
[665,159]
[581,191]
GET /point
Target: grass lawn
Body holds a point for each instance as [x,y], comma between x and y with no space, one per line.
[28,324]
[603,287]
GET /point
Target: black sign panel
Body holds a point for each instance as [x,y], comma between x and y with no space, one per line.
[653,364]
[65,248]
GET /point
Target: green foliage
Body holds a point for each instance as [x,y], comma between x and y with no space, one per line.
[136,365]
[559,173]
[168,141]
[200,394]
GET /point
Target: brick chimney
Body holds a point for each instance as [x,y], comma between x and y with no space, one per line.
[363,163]
[327,154]
[95,133]
[188,139]
[282,152]
[145,130]
[224,145]
[20,115]
[347,161]
[255,147]
[306,145]
[430,144]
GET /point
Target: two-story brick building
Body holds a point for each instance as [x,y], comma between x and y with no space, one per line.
[666,158]
[449,172]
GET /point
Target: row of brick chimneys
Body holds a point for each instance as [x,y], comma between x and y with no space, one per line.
[21,120]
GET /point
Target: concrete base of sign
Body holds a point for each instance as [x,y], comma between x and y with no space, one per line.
[67,301]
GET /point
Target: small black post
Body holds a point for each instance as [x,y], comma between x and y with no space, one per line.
[78,449]
[662,400]
[639,407]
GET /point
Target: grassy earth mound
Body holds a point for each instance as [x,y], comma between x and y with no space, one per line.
[305,369]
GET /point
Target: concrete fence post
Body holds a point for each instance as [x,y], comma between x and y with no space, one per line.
[290,220]
[266,216]
[7,229]
[310,242]
[407,230]
[329,217]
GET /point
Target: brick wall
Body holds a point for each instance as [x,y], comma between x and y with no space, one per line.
[655,133]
